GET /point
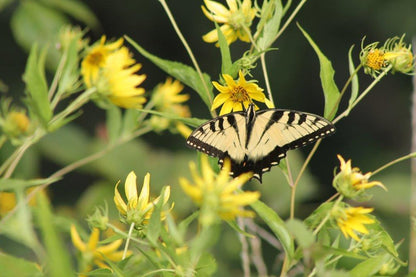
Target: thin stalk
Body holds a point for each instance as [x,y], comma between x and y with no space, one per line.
[57,76]
[305,164]
[76,165]
[363,94]
[412,212]
[409,156]
[126,247]
[188,49]
[245,259]
[289,20]
[266,77]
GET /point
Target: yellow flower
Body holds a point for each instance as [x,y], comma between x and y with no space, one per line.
[111,69]
[236,94]
[353,219]
[168,93]
[350,182]
[94,254]
[236,20]
[95,60]
[393,53]
[217,195]
[138,208]
[167,99]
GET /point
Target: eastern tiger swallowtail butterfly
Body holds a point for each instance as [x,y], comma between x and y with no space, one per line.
[256,141]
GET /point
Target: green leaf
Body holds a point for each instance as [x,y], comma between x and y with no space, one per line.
[383,237]
[13,184]
[271,27]
[33,23]
[330,89]
[227,66]
[182,72]
[194,122]
[12,266]
[237,228]
[113,122]
[59,262]
[277,225]
[155,222]
[318,215]
[300,232]
[370,266]
[77,10]
[36,85]
[354,78]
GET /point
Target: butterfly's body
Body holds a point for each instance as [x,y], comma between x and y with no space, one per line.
[255,141]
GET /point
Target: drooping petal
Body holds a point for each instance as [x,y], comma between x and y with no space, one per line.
[109,248]
[214,17]
[76,240]
[217,9]
[94,237]
[118,200]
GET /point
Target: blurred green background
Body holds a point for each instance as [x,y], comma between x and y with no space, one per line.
[377,131]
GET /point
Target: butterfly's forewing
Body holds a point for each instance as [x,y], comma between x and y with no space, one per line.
[221,137]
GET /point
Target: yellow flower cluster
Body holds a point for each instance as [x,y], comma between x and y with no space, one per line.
[110,68]
[217,196]
[353,219]
[236,20]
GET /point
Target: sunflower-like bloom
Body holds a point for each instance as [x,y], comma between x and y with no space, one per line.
[111,69]
[394,53]
[167,99]
[236,20]
[138,208]
[216,195]
[94,254]
[352,219]
[350,182]
[236,94]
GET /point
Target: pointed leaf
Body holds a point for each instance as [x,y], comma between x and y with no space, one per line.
[330,89]
[227,66]
[59,262]
[182,72]
[272,26]
[370,266]
[36,85]
[300,232]
[277,225]
[12,266]
[354,80]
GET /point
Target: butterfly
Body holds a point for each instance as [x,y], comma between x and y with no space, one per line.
[257,140]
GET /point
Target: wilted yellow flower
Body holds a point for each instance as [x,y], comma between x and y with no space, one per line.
[138,208]
[236,20]
[167,99]
[394,53]
[217,195]
[353,219]
[236,94]
[94,254]
[111,69]
[350,182]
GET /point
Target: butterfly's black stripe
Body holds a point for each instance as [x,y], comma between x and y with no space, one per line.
[291,118]
[231,120]
[302,118]
[221,123]
[250,120]
[212,126]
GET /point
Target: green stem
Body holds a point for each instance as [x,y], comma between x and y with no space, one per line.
[76,165]
[327,216]
[126,247]
[412,198]
[266,77]
[363,94]
[302,170]
[3,139]
[188,49]
[289,20]
[409,156]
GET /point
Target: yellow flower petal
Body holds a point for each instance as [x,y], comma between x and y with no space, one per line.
[76,240]
[130,186]
[220,12]
[109,248]
[94,237]
[118,200]
[145,193]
